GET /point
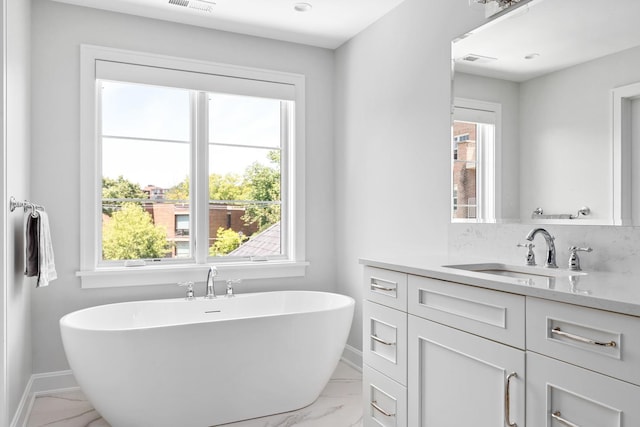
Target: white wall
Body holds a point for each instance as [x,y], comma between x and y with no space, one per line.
[58,31]
[392,138]
[16,168]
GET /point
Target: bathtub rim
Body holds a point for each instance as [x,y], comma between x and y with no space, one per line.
[346,302]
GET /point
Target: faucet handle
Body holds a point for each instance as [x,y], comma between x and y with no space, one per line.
[189,285]
[531,257]
[574,260]
[230,284]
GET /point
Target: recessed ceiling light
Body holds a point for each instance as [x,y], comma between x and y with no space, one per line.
[302,7]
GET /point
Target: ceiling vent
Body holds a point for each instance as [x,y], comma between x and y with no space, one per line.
[478,59]
[199,5]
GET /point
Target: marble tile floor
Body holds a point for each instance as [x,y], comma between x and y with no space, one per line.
[339,405]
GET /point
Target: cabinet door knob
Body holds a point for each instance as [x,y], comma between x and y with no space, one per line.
[507,401]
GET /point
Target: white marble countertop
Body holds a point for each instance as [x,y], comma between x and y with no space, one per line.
[619,293]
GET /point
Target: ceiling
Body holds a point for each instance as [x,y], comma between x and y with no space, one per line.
[328,24]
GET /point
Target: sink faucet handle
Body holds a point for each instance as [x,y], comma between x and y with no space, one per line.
[531,257]
[574,260]
[189,285]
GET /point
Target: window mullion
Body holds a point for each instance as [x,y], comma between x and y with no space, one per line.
[200,190]
[97,202]
[286,208]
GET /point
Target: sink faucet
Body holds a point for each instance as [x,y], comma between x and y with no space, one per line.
[211,291]
[551,247]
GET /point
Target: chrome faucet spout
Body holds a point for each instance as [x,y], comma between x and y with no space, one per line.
[211,291]
[551,247]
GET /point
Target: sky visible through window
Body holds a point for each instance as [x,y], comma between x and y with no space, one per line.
[159,113]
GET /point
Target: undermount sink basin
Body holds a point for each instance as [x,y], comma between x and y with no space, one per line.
[517,271]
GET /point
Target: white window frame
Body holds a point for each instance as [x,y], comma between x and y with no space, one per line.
[488,157]
[92,273]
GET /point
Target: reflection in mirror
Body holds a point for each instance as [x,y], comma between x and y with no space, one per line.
[473,156]
[564,74]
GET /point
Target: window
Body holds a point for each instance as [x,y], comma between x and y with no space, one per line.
[182,225]
[197,164]
[474,197]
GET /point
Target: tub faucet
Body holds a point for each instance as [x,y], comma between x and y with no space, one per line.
[211,291]
[230,284]
[189,285]
[551,247]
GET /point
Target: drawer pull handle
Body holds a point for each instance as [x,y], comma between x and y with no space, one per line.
[558,417]
[375,406]
[507,401]
[578,338]
[387,288]
[382,288]
[381,341]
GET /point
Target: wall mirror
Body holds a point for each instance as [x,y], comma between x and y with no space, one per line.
[546,115]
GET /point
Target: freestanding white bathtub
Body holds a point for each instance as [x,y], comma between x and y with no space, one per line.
[178,363]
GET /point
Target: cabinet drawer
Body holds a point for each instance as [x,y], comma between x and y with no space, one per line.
[559,394]
[496,315]
[385,340]
[598,340]
[386,287]
[384,400]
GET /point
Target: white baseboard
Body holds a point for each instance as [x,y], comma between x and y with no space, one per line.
[40,384]
[352,357]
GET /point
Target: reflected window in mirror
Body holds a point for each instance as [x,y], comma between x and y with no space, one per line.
[473,147]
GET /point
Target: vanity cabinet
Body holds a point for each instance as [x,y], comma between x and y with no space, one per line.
[486,358]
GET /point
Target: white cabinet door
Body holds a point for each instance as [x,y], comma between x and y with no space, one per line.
[560,394]
[458,379]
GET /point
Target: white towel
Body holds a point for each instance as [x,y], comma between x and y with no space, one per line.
[46,262]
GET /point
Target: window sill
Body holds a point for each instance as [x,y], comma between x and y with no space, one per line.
[171,274]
